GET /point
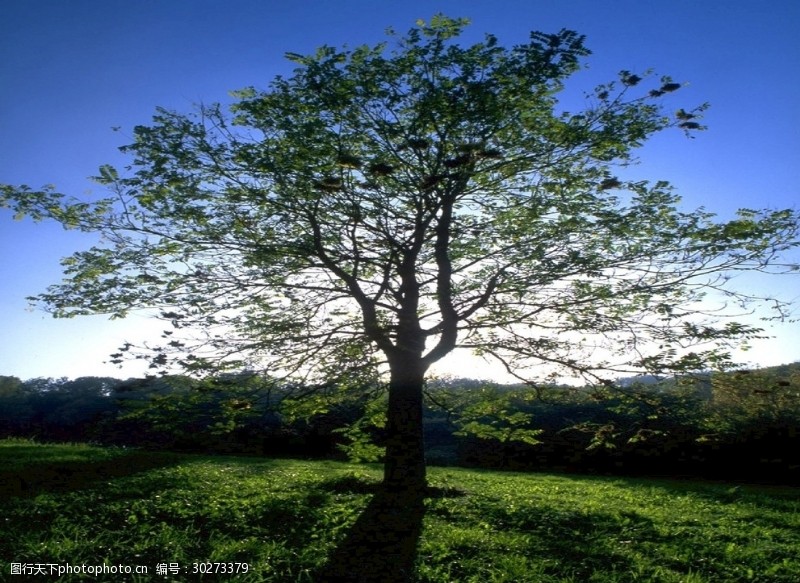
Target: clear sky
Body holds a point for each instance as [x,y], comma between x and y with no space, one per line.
[70,71]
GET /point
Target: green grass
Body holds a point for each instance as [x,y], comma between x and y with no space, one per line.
[66,504]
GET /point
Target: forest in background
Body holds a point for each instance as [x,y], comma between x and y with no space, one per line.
[733,425]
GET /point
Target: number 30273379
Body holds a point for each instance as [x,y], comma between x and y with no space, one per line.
[220,568]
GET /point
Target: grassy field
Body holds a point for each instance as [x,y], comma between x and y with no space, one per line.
[292,520]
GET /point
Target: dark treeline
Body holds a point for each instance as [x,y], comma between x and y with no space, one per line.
[742,425]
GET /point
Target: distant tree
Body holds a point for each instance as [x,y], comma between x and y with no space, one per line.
[384,205]
[67,409]
[10,387]
[180,409]
[15,407]
[755,399]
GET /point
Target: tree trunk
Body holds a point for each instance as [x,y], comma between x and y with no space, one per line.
[404,467]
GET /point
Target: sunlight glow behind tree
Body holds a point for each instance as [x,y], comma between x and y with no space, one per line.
[384,205]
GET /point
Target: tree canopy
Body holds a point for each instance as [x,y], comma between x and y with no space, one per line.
[384,205]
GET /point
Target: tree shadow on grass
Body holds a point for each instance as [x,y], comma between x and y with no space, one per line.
[68,475]
[381,546]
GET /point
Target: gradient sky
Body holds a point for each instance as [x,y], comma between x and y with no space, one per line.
[70,71]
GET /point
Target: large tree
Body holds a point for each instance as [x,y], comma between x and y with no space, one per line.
[385,205]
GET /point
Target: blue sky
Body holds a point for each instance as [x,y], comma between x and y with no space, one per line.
[70,71]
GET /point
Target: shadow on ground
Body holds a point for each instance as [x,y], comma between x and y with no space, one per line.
[381,547]
[382,544]
[67,475]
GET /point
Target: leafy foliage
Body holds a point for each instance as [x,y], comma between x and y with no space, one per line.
[496,415]
[382,206]
[425,195]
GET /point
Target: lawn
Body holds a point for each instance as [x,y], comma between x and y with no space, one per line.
[189,518]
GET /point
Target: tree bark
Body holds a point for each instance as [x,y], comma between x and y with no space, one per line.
[404,466]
